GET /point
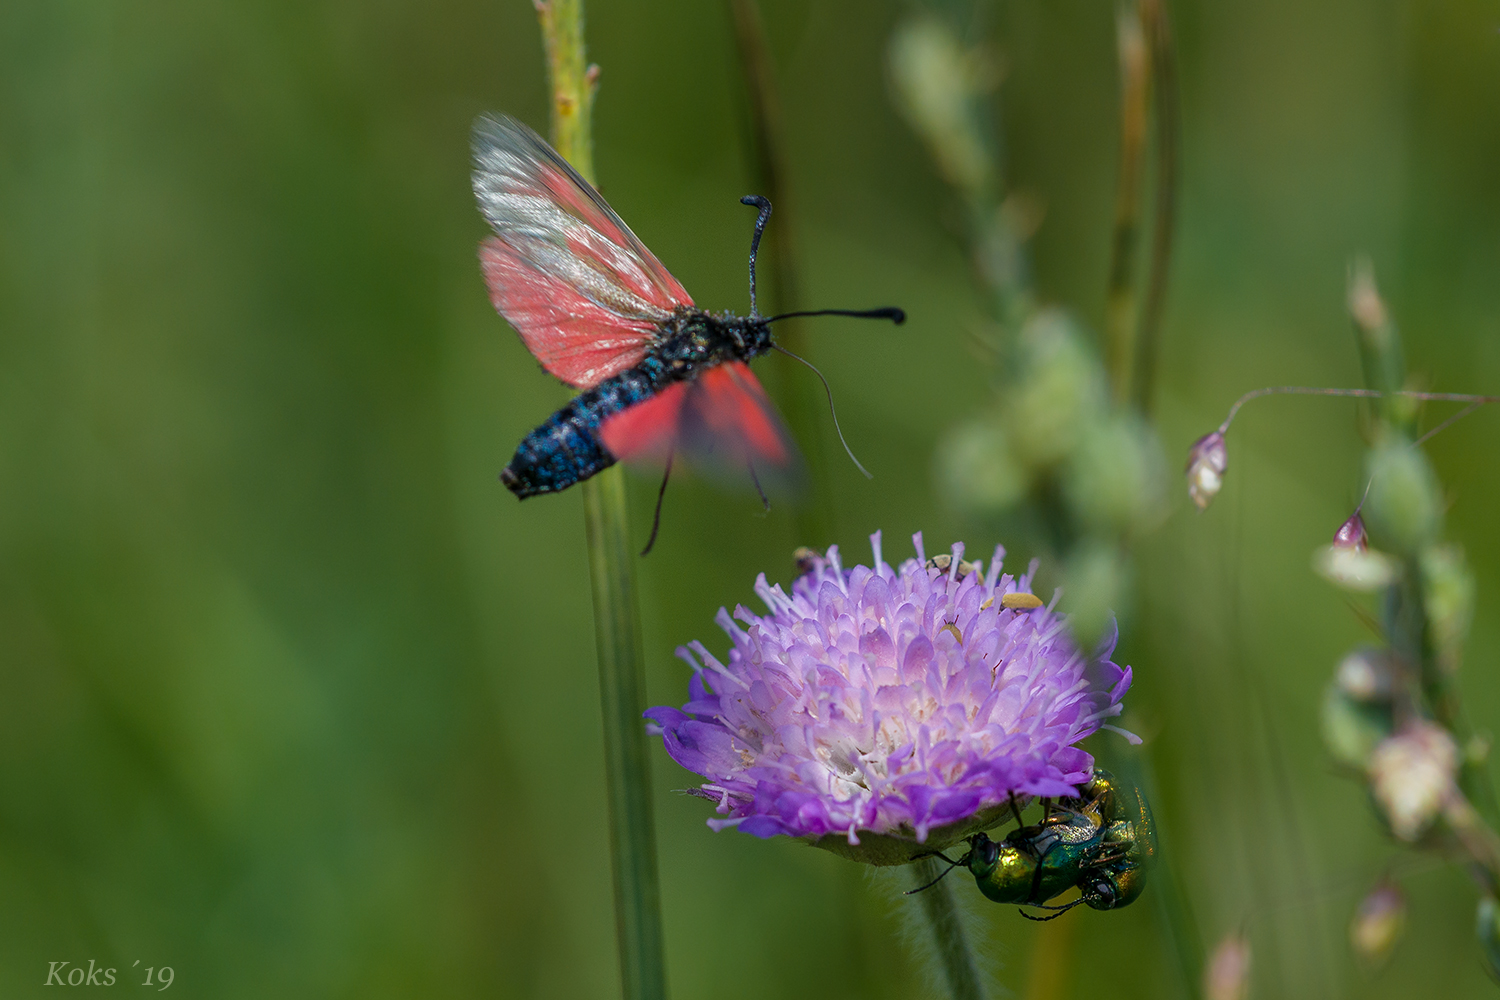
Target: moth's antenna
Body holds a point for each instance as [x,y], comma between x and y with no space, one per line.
[831,410]
[897,316]
[756,201]
[661,495]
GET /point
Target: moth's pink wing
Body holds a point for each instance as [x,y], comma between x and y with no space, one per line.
[582,291]
[722,422]
[648,431]
[727,412]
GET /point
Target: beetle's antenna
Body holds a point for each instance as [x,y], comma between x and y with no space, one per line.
[660,496]
[951,865]
[764,205]
[895,315]
[831,410]
[1060,910]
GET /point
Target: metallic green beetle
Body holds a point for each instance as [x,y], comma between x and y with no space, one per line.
[1035,863]
[1101,842]
[1115,875]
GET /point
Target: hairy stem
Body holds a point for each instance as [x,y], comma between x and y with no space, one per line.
[949,939]
[617,629]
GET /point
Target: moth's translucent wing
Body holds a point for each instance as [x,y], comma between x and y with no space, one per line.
[584,294]
[573,336]
[722,422]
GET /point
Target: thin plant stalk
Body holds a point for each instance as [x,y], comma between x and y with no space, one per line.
[1148,82]
[1158,30]
[814,517]
[949,940]
[1135,101]
[617,629]
[1305,390]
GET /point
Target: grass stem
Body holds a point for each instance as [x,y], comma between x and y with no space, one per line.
[617,628]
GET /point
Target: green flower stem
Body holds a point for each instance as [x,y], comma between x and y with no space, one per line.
[573,82]
[617,629]
[622,690]
[949,939]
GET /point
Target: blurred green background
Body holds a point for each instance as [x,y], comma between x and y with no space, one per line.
[297,700]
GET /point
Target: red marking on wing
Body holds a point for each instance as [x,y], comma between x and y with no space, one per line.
[649,431]
[722,420]
[734,409]
[577,340]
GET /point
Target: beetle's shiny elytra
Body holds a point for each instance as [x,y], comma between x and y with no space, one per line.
[1116,875]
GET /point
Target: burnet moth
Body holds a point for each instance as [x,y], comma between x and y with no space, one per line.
[658,376]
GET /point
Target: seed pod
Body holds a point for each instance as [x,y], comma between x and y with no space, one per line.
[1227,975]
[1059,393]
[1352,727]
[1411,776]
[1378,923]
[1113,479]
[1354,568]
[1405,504]
[1448,592]
[1367,675]
[1207,461]
[976,470]
[1352,534]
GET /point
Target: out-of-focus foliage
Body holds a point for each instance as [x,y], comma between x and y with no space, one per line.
[295,699]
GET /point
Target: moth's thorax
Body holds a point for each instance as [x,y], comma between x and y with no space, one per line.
[693,339]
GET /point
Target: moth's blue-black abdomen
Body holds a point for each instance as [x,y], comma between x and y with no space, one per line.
[566,449]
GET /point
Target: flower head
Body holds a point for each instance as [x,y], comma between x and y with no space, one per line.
[907,704]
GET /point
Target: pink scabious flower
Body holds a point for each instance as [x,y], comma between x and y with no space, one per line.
[894,702]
